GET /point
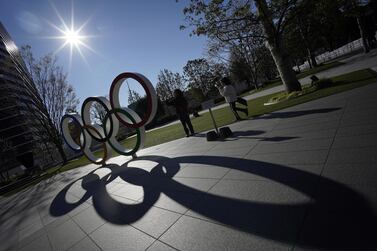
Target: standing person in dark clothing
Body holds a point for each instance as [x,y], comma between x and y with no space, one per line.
[181,107]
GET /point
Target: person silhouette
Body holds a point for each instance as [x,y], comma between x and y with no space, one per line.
[181,107]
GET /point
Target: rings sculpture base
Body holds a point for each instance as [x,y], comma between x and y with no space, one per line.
[115,114]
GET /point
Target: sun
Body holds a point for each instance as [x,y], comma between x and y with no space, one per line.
[72,37]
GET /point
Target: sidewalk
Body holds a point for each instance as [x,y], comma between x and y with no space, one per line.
[353,63]
[303,178]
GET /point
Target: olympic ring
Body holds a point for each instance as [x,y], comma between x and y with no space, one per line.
[89,154]
[106,134]
[140,134]
[151,98]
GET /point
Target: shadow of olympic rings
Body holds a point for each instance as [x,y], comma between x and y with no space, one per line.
[335,216]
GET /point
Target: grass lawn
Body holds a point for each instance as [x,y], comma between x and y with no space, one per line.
[224,116]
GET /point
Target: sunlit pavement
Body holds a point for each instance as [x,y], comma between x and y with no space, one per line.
[301,178]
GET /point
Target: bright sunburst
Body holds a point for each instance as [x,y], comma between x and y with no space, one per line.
[71,37]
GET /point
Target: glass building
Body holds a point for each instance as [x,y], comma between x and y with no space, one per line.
[18,140]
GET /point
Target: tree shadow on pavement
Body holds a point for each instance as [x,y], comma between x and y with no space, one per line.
[330,215]
[250,134]
[294,114]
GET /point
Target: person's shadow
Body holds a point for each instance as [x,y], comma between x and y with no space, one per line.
[332,216]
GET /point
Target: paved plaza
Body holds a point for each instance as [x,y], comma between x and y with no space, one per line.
[302,178]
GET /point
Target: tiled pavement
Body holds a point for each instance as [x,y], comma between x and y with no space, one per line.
[303,178]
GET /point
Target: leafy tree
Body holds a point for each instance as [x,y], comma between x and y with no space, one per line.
[139,108]
[51,97]
[197,94]
[303,23]
[295,47]
[167,83]
[356,9]
[232,21]
[247,57]
[200,74]
[316,25]
[331,26]
[251,63]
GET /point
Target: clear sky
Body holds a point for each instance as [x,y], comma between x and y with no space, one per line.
[138,36]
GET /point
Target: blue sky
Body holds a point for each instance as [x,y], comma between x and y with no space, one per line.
[139,36]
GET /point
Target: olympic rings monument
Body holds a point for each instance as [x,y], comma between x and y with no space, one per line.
[115,114]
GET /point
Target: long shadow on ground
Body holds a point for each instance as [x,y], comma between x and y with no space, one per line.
[294,114]
[338,217]
[250,134]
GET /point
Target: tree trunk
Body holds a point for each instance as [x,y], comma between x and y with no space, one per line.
[309,62]
[312,58]
[2,177]
[254,75]
[298,66]
[305,39]
[274,44]
[284,66]
[362,34]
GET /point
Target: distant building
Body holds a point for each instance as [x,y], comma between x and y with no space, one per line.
[17,127]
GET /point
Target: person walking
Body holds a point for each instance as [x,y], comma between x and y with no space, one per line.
[181,107]
[230,95]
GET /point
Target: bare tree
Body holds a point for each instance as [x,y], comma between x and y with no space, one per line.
[168,81]
[51,98]
[97,113]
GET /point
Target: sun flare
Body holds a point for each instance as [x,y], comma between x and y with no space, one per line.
[72,37]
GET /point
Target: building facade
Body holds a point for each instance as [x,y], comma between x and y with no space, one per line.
[19,142]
